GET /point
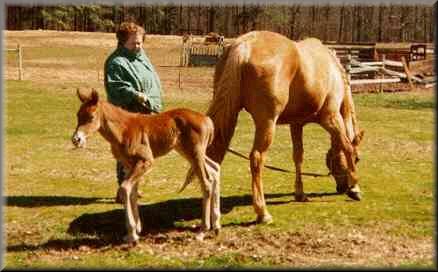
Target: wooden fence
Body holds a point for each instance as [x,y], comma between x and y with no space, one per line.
[200,54]
[19,52]
[390,71]
[367,63]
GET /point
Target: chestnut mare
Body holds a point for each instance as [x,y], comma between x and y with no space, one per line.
[137,139]
[279,81]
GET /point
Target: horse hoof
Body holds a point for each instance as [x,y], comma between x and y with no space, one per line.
[200,236]
[354,195]
[217,231]
[265,219]
[131,239]
[138,228]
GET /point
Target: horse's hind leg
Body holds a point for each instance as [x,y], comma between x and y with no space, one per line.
[213,172]
[296,132]
[206,187]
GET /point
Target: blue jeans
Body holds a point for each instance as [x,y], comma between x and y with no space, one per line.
[120,173]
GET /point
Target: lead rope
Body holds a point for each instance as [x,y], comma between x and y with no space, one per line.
[280,169]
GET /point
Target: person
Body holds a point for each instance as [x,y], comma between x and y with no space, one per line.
[130,79]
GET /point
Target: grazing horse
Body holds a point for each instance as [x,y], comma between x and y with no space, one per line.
[137,139]
[280,81]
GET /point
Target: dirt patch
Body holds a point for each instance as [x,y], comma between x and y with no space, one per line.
[368,247]
[315,247]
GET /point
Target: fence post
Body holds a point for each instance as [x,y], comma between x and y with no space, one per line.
[179,78]
[20,63]
[408,72]
[383,74]
[348,67]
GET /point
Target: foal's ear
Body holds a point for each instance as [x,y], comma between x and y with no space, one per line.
[358,138]
[94,96]
[86,96]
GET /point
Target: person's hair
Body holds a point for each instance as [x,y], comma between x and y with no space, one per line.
[126,29]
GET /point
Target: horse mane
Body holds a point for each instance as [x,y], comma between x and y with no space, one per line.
[347,107]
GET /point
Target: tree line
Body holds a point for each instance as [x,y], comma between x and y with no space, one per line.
[340,23]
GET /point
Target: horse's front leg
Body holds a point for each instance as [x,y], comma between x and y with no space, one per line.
[296,132]
[264,135]
[128,191]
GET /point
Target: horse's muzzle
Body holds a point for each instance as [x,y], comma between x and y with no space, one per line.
[78,139]
[354,193]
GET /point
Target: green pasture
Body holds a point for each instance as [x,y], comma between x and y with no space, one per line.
[58,199]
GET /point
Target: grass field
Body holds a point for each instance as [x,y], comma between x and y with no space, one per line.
[60,210]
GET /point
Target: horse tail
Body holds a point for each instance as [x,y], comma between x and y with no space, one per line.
[226,103]
[347,106]
[189,177]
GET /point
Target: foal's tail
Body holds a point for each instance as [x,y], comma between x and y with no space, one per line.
[189,177]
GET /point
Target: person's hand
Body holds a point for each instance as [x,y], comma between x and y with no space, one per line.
[142,98]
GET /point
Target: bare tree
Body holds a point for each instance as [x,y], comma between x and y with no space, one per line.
[294,11]
[356,23]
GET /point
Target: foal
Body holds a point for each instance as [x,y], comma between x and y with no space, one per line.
[136,140]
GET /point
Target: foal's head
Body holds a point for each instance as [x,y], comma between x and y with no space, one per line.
[88,117]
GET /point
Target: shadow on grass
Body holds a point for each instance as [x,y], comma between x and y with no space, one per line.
[156,217]
[40,201]
[109,227]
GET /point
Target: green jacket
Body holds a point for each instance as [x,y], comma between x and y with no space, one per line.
[128,73]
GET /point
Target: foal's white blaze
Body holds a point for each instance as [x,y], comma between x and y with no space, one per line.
[79,139]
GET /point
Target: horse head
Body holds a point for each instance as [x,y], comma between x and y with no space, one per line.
[337,164]
[88,117]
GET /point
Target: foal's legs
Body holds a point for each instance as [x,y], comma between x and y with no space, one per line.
[199,166]
[296,132]
[128,191]
[264,134]
[213,171]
